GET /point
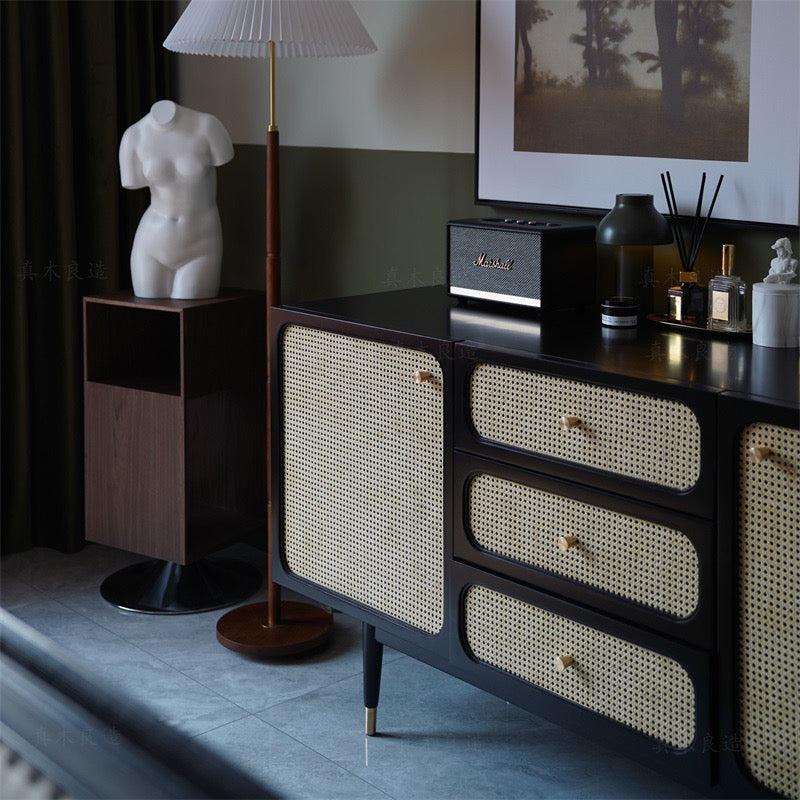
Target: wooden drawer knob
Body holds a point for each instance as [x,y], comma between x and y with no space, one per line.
[568,423]
[759,453]
[422,375]
[562,662]
[565,542]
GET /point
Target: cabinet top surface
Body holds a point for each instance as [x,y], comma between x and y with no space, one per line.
[647,351]
[128,298]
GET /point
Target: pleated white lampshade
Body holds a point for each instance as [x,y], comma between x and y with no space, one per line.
[244,28]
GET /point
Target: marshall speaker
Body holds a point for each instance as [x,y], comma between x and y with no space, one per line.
[542,265]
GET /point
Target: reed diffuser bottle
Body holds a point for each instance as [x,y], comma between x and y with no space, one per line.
[687,301]
[726,296]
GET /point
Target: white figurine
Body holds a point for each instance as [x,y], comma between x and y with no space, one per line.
[776,301]
[783,267]
[177,250]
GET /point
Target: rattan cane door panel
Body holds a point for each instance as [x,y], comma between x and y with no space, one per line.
[769,613]
[363,472]
[625,433]
[636,559]
[637,687]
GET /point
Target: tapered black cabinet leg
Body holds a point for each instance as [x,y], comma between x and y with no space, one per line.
[373,661]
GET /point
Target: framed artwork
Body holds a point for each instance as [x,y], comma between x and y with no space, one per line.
[579,100]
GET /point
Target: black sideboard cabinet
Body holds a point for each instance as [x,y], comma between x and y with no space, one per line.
[598,525]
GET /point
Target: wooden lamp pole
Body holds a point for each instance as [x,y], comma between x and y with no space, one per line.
[273,299]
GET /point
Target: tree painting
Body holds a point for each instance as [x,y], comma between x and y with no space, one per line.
[664,78]
[703,26]
[668,61]
[600,41]
[528,13]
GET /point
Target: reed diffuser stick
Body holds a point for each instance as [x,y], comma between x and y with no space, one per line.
[672,217]
[688,255]
[708,217]
[684,253]
[697,217]
[670,213]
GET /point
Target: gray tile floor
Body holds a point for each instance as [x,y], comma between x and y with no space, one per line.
[296,724]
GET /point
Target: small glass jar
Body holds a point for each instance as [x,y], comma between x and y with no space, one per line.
[619,312]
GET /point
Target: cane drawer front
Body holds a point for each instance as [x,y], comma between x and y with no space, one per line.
[639,688]
[769,605]
[629,434]
[649,564]
[363,472]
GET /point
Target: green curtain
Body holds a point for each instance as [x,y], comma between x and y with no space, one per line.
[74,76]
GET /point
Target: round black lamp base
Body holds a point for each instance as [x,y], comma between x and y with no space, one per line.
[163,587]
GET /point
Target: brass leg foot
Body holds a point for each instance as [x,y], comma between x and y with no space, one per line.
[370,718]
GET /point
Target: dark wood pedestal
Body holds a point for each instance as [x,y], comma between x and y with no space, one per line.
[175,455]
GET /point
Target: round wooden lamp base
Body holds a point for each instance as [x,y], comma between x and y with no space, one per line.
[302,627]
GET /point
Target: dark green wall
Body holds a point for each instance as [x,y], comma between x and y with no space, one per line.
[362,221]
[352,221]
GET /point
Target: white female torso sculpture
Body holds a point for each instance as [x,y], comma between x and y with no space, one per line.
[177,250]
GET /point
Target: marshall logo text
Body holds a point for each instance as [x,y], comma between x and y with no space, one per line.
[493,263]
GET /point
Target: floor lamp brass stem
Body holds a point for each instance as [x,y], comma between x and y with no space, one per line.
[272,126]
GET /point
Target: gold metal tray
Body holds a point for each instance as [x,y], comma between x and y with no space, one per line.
[663,319]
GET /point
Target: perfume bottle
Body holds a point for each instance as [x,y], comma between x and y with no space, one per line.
[687,301]
[726,296]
